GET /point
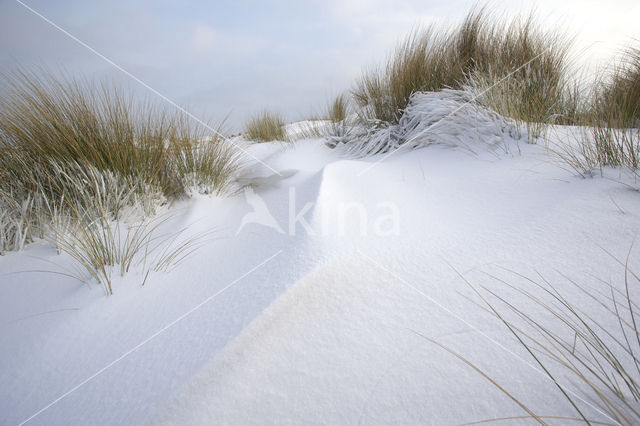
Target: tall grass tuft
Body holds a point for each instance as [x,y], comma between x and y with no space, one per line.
[611,136]
[512,67]
[616,117]
[265,127]
[90,152]
[422,62]
[45,121]
[204,163]
[525,74]
[338,109]
[102,246]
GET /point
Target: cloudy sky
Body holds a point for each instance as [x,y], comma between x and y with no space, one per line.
[234,58]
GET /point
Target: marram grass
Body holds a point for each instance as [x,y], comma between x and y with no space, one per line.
[89,152]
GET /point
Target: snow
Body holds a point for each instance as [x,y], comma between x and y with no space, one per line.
[447,117]
[305,128]
[325,324]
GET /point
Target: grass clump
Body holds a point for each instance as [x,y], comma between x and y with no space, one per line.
[340,121]
[338,109]
[52,127]
[203,163]
[46,122]
[89,152]
[422,62]
[512,67]
[265,127]
[611,136]
[524,76]
[102,246]
[615,127]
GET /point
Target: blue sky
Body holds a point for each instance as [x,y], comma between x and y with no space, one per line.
[236,58]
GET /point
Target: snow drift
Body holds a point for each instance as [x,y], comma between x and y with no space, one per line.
[448,117]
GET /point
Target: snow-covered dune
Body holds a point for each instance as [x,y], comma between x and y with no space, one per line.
[324,319]
[344,345]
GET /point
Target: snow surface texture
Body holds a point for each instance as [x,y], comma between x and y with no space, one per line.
[448,117]
[322,325]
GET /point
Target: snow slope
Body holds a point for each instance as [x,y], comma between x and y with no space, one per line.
[322,327]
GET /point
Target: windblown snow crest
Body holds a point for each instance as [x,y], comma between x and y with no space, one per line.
[448,117]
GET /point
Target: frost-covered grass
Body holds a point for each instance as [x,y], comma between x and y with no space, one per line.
[447,117]
[67,189]
[341,120]
[513,67]
[85,167]
[88,152]
[310,128]
[333,124]
[102,246]
[514,73]
[265,127]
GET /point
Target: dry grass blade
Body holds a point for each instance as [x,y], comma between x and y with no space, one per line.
[483,374]
[564,419]
[605,361]
[520,337]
